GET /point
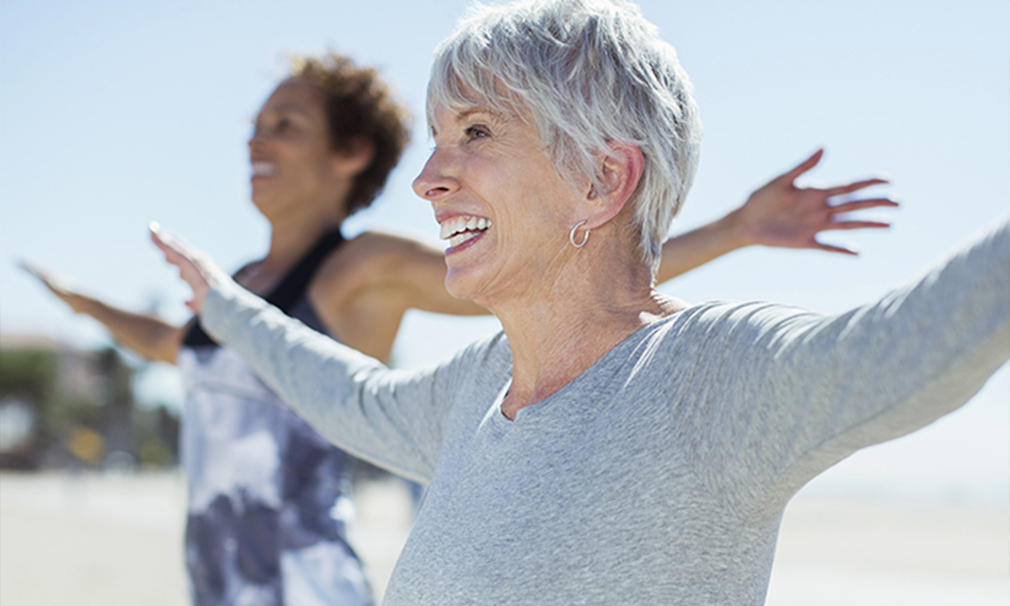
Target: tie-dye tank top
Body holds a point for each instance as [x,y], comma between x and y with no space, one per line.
[267,495]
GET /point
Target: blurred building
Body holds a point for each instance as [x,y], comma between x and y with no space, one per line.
[64,407]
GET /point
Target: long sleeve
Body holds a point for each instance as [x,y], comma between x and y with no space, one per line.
[785,393]
[393,418]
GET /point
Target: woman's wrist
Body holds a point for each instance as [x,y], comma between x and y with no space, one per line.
[735,231]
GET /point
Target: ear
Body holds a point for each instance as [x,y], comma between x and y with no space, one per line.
[620,173]
[355,158]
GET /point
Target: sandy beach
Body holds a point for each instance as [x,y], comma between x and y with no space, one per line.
[106,540]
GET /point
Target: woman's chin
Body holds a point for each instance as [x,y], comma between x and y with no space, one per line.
[457,288]
[462,284]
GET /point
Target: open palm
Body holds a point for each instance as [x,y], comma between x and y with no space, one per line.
[195,267]
[782,214]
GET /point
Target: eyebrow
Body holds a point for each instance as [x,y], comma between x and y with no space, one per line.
[288,107]
[466,113]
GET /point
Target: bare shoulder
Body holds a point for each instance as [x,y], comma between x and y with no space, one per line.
[383,245]
[369,259]
[363,288]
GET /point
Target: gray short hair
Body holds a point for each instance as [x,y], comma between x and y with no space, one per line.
[589,72]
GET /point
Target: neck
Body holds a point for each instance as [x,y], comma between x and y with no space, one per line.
[291,237]
[557,333]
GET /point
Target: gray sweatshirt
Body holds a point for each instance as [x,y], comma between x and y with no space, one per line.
[659,475]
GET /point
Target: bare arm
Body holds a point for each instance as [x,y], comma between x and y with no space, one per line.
[778,214]
[146,335]
[418,270]
[363,291]
[403,272]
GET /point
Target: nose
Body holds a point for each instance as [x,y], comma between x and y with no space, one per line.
[436,181]
[255,138]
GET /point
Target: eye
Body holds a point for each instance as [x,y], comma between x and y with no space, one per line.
[477,131]
[271,126]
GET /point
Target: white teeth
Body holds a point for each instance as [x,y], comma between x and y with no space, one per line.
[460,229]
[264,169]
[462,237]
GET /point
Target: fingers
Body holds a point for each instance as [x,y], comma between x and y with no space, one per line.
[804,166]
[57,284]
[166,241]
[854,186]
[176,251]
[853,205]
[162,240]
[836,249]
[839,209]
[846,225]
[33,270]
[195,267]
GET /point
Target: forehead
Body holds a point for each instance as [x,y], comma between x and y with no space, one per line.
[293,96]
[444,114]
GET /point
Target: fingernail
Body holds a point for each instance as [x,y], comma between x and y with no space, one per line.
[154,227]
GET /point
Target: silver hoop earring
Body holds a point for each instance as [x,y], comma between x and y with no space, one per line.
[571,235]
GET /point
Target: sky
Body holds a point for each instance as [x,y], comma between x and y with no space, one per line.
[115,113]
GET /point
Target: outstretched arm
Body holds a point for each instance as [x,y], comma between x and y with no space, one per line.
[778,214]
[146,335]
[394,419]
[408,269]
[362,292]
[788,393]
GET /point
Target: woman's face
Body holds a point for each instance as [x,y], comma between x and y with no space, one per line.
[501,204]
[293,166]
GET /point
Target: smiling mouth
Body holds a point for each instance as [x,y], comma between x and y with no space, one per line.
[264,169]
[462,228]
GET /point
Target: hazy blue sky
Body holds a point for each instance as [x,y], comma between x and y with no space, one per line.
[114,113]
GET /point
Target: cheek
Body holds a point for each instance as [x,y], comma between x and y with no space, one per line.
[544,206]
[530,203]
[306,166]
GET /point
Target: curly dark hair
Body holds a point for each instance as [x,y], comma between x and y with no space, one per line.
[358,104]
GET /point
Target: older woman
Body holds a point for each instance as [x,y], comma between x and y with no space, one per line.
[612,445]
[263,486]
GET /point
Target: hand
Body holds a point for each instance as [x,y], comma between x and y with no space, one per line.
[195,267]
[58,285]
[781,214]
